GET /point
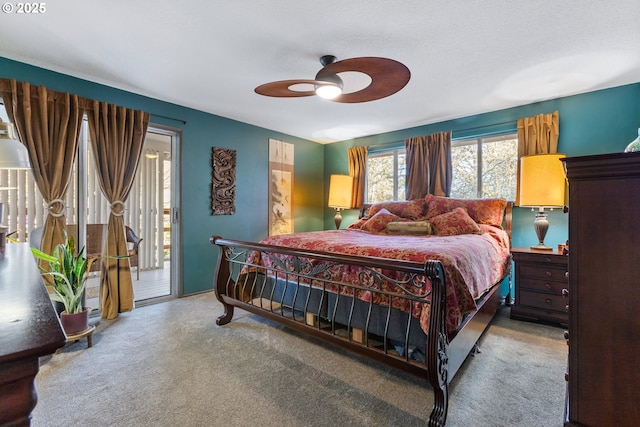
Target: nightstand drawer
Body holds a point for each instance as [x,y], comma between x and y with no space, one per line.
[541,258]
[543,301]
[543,272]
[542,285]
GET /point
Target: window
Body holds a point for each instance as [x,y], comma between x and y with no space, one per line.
[485,167]
[386,176]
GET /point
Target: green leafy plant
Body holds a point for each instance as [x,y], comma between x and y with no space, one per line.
[68,271]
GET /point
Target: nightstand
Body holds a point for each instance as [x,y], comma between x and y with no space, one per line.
[540,277]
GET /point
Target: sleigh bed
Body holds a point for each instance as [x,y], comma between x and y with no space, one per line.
[412,284]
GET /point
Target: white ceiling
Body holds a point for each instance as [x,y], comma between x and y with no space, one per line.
[466,56]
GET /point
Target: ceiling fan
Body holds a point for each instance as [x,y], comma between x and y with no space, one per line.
[387,77]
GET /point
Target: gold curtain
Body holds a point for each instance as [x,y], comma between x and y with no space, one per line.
[429,168]
[537,135]
[117,136]
[48,124]
[358,170]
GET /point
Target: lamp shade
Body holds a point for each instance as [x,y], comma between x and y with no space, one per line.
[340,188]
[542,180]
[13,154]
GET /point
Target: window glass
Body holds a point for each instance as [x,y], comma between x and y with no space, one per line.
[386,173]
[464,159]
[483,167]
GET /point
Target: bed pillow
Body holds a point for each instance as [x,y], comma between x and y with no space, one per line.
[410,209]
[357,225]
[454,223]
[482,211]
[378,222]
[414,228]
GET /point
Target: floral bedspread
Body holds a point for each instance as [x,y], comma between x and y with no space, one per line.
[472,262]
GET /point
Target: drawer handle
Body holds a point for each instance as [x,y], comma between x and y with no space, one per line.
[547,285]
[548,301]
[565,293]
[548,273]
[547,260]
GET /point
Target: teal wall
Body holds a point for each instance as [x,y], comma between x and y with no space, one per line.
[201,132]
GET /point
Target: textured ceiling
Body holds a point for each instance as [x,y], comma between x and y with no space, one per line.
[466,57]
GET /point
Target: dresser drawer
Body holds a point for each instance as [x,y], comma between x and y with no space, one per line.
[542,285]
[543,272]
[542,300]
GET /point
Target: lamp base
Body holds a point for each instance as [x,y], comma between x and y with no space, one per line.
[542,247]
[337,218]
[541,224]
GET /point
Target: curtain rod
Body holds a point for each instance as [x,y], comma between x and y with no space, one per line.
[184,122]
[393,143]
[486,126]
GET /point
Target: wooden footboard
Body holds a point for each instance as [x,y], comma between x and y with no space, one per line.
[300,290]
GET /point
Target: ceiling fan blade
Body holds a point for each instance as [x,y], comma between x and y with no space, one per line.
[387,77]
[280,89]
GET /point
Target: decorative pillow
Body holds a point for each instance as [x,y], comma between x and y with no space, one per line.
[410,209]
[418,228]
[482,211]
[357,225]
[379,221]
[455,222]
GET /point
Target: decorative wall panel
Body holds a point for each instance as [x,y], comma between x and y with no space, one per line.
[280,187]
[223,183]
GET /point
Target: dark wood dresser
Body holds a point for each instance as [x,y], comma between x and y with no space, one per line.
[540,277]
[29,329]
[604,298]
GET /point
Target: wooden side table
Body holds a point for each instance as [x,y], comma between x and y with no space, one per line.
[86,333]
[540,277]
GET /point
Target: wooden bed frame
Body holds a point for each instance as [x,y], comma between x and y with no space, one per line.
[300,306]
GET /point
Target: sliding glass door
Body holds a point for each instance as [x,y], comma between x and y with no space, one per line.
[150,213]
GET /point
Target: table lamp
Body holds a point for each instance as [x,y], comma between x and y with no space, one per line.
[542,185]
[340,188]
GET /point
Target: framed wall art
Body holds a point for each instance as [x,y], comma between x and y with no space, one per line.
[223,182]
[280,187]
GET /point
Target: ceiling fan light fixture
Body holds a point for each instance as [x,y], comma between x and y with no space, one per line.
[328,91]
[332,89]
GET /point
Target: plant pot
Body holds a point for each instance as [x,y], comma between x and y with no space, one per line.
[75,323]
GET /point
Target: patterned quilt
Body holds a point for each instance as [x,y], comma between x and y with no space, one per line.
[472,262]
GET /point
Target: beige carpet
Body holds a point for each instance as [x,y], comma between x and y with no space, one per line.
[169,365]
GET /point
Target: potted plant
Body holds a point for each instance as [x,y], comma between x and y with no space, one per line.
[68,271]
